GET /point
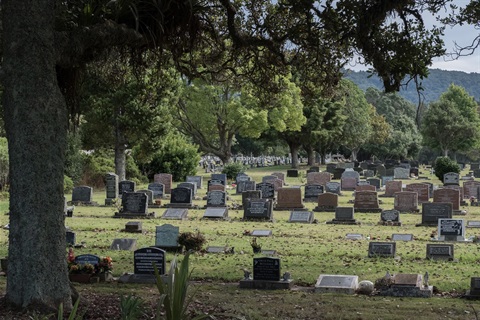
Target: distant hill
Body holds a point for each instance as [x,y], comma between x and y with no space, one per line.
[436,83]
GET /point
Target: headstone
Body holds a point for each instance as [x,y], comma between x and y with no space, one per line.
[216,213]
[473,224]
[312,191]
[181,197]
[331,167]
[381,170]
[348,184]
[245,186]
[197,180]
[327,202]
[392,216]
[289,198]
[268,190]
[421,189]
[451,229]
[390,172]
[365,187]
[440,251]
[470,189]
[329,283]
[166,236]
[451,178]
[385,179]
[269,178]
[406,201]
[124,244]
[70,238]
[401,173]
[220,176]
[475,166]
[216,185]
[333,187]
[449,196]
[431,212]
[266,268]
[165,179]
[476,173]
[252,194]
[216,199]
[133,227]
[111,188]
[391,187]
[175,214]
[258,209]
[320,178]
[381,249]
[375,182]
[279,175]
[368,173]
[144,258]
[134,203]
[315,169]
[261,233]
[87,259]
[126,186]
[474,292]
[301,216]
[149,194]
[82,194]
[292,173]
[354,236]
[343,215]
[337,173]
[157,189]
[242,177]
[366,201]
[277,184]
[189,185]
[402,237]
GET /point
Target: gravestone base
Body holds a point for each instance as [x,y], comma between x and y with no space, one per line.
[472,295]
[170,249]
[459,212]
[265,284]
[426,225]
[335,221]
[150,215]
[390,223]
[302,208]
[181,206]
[324,209]
[83,203]
[140,278]
[368,210]
[407,291]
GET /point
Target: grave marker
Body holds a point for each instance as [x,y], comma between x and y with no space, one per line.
[440,251]
[157,189]
[451,229]
[301,216]
[124,244]
[181,198]
[329,283]
[267,269]
[175,214]
[144,258]
[111,188]
[366,201]
[165,179]
[312,192]
[406,201]
[289,198]
[134,204]
[381,249]
[166,236]
[258,209]
[82,195]
[431,212]
[327,202]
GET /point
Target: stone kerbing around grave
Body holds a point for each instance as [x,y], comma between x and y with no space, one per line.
[330,283]
[407,285]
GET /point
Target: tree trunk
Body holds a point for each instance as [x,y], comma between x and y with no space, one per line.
[120,156]
[445,152]
[310,156]
[36,124]
[294,152]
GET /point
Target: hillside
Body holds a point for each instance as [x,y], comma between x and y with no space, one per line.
[436,83]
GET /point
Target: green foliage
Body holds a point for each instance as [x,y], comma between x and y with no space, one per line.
[96,165]
[173,292]
[191,241]
[130,307]
[444,165]
[232,169]
[4,161]
[73,315]
[176,156]
[74,157]
[133,171]
[67,184]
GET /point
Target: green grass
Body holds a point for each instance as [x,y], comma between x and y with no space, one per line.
[306,251]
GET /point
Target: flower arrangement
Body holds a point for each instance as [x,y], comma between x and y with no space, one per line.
[105,265]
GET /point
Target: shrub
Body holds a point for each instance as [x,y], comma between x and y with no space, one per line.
[177,157]
[191,241]
[96,165]
[74,158]
[232,169]
[67,184]
[444,165]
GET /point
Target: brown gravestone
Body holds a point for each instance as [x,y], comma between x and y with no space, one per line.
[366,201]
[327,202]
[289,198]
[365,187]
[348,184]
[391,187]
[406,201]
[165,179]
[446,195]
[470,189]
[421,189]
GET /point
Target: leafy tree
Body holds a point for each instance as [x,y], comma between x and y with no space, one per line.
[444,165]
[452,123]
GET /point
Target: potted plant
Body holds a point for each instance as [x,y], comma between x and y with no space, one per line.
[257,248]
[104,269]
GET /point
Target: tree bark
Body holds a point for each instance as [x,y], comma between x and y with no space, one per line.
[310,156]
[36,124]
[120,156]
[294,152]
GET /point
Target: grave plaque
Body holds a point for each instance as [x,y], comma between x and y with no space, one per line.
[165,179]
[133,226]
[181,197]
[126,186]
[473,224]
[301,216]
[266,268]
[422,190]
[451,229]
[268,190]
[70,238]
[402,237]
[261,233]
[431,212]
[289,198]
[197,180]
[390,215]
[111,186]
[329,283]
[354,236]
[82,194]
[292,173]
[451,178]
[446,195]
[406,201]
[216,199]
[401,173]
[157,190]
[258,209]
[366,201]
[175,213]
[391,187]
[440,251]
[134,203]
[166,236]
[312,192]
[381,249]
[245,186]
[216,213]
[144,258]
[124,244]
[87,258]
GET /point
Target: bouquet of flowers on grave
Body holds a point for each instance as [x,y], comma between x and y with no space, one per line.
[77,268]
[105,265]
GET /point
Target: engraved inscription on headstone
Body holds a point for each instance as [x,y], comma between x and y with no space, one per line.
[381,249]
[440,251]
[144,258]
[301,216]
[266,269]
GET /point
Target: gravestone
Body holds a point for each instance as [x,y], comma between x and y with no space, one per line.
[451,229]
[327,202]
[365,187]
[216,199]
[220,176]
[149,194]
[312,191]
[165,179]
[157,189]
[366,201]
[343,215]
[268,190]
[390,172]
[252,194]
[381,170]
[87,259]
[473,224]
[333,187]
[368,173]
[289,199]
[385,179]
[348,184]
[401,173]
[390,218]
[124,244]
[292,173]
[181,198]
[337,173]
[391,187]
[245,186]
[402,237]
[329,283]
[431,212]
[301,216]
[134,204]
[470,189]
[476,173]
[70,238]
[331,167]
[216,213]
[144,258]
[446,195]
[215,185]
[269,178]
[242,177]
[126,186]
[421,189]
[258,209]
[407,285]
[166,236]
[189,185]
[349,173]
[279,175]
[277,184]
[175,214]
[354,236]
[133,227]
[111,188]
[475,166]
[197,180]
[406,201]
[474,292]
[375,182]
[266,268]
[315,169]
[261,233]
[451,178]
[381,249]
[82,195]
[320,178]
[440,251]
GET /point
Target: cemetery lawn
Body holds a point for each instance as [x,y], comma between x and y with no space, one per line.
[305,250]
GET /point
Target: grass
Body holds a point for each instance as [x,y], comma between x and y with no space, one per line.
[306,251]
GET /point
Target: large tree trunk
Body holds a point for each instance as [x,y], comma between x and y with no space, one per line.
[36,125]
[310,156]
[294,152]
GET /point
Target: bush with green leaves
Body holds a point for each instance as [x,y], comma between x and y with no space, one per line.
[444,165]
[96,165]
[67,184]
[74,158]
[232,169]
[176,156]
